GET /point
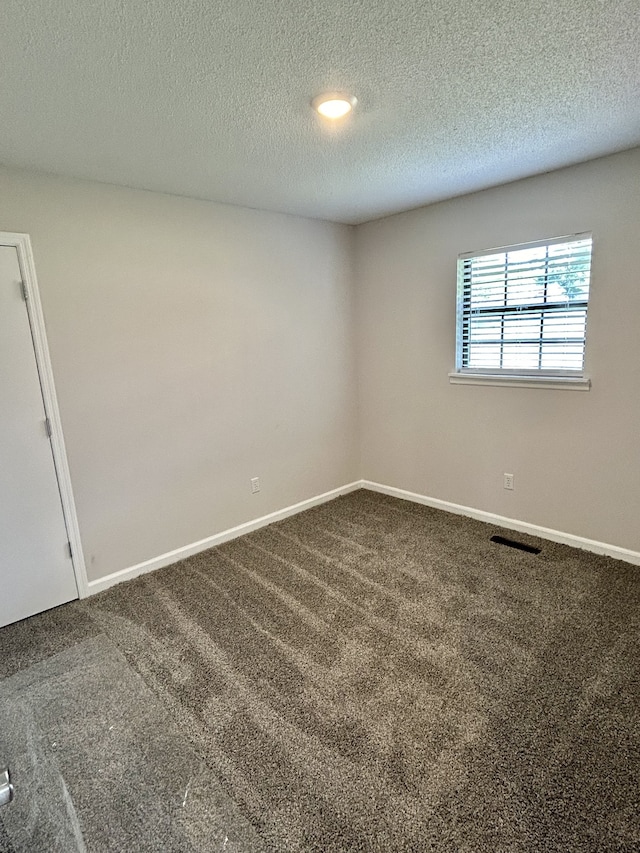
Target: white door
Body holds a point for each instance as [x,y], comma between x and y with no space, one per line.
[36,571]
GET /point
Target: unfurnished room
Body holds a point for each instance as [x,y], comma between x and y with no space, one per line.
[319,426]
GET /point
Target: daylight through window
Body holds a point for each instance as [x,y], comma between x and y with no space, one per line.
[523,309]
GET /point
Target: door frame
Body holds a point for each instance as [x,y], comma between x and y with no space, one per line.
[22,244]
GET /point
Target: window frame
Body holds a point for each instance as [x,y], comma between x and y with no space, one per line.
[537,377]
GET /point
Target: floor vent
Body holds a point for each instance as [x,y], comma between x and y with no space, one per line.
[511,543]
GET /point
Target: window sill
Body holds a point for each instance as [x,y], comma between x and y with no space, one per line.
[559,383]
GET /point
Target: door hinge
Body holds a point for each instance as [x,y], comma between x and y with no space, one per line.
[47,426]
[23,288]
[70,550]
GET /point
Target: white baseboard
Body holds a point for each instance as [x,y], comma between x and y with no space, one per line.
[490,517]
[510,523]
[217,539]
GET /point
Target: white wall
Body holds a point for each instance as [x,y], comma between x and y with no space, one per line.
[194,346]
[575,456]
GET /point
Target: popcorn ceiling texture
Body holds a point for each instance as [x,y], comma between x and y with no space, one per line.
[211,99]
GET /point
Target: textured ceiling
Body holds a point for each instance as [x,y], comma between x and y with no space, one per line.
[210,98]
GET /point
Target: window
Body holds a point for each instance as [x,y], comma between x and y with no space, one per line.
[522,310]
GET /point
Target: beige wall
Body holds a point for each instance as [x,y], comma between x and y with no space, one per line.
[194,346]
[575,456]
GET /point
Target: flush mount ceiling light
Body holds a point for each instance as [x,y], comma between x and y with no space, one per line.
[333,105]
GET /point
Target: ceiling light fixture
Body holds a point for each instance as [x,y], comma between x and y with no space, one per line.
[333,106]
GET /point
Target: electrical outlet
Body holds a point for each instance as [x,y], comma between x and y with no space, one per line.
[255,485]
[508,481]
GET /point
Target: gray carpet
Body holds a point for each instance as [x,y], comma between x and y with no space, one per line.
[82,724]
[370,675]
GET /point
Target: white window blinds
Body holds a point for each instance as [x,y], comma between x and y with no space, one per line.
[523,309]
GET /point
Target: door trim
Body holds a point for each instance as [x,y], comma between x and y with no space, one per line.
[22,244]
